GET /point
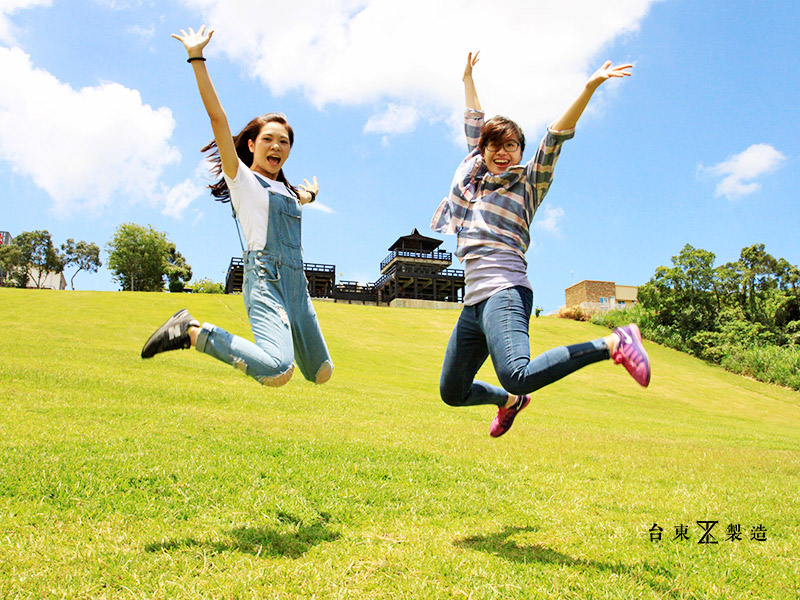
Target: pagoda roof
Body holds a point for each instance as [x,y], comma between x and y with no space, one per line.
[416,241]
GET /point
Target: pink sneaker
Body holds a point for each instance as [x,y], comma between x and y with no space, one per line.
[632,354]
[505,416]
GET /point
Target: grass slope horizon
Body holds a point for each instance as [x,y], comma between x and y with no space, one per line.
[178,477]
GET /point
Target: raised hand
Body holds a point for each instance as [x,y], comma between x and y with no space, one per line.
[470,93]
[471,62]
[570,118]
[312,189]
[606,72]
[194,42]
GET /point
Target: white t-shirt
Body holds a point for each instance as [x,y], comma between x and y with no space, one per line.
[251,202]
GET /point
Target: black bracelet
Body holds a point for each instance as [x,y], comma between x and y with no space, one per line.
[313,196]
[191,58]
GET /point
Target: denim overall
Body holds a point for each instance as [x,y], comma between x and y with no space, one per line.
[282,318]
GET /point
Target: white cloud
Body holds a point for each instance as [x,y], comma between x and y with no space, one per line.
[321,207]
[739,171]
[9,7]
[119,4]
[534,58]
[181,196]
[84,147]
[142,32]
[550,219]
[395,119]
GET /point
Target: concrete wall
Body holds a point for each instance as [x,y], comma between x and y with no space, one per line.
[409,303]
[627,293]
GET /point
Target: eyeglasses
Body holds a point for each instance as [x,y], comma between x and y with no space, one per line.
[508,146]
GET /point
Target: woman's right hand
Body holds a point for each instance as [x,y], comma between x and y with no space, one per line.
[194,42]
[471,61]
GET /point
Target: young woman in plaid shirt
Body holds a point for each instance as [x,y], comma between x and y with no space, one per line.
[490,207]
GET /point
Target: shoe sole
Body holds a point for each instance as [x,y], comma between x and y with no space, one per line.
[637,336]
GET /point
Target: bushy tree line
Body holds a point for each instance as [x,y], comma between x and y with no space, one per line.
[744,315]
[32,255]
[140,258]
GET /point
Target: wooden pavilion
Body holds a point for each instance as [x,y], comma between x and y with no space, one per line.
[415,269]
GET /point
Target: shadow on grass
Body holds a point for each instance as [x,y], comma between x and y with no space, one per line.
[501,544]
[291,539]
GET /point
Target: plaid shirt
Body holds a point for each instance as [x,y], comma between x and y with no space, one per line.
[494,212]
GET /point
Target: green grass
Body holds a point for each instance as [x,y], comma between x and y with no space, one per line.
[178,477]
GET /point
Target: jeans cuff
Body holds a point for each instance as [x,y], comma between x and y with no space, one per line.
[202,337]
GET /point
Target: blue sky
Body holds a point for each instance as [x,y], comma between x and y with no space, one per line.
[101,124]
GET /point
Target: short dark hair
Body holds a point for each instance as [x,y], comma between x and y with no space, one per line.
[499,128]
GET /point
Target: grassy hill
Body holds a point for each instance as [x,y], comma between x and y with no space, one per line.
[179,477]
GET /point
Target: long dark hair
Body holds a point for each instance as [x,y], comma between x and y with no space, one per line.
[250,131]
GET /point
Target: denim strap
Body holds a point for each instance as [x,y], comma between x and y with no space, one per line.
[238,229]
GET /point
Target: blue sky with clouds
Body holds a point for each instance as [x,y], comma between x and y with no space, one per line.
[101,124]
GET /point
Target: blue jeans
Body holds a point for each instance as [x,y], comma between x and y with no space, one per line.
[498,327]
[282,318]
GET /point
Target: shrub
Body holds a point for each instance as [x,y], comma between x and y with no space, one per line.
[637,313]
[774,364]
[709,345]
[206,286]
[576,313]
[793,332]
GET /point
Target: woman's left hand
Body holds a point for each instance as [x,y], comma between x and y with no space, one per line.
[311,190]
[607,72]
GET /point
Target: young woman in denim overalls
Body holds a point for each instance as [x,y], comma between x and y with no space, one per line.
[282,318]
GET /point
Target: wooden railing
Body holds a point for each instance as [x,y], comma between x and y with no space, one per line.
[423,255]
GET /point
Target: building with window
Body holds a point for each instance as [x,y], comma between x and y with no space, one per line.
[596,296]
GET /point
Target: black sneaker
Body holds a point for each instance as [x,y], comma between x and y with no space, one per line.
[172,335]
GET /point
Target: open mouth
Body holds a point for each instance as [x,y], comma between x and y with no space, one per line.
[274,160]
[502,162]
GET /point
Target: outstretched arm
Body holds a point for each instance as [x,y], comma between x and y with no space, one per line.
[194,42]
[470,93]
[570,118]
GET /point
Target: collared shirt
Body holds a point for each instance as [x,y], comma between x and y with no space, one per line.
[494,212]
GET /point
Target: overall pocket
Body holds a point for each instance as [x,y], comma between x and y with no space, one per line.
[290,227]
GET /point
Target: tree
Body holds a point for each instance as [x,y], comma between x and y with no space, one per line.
[682,295]
[759,278]
[10,263]
[788,275]
[177,270]
[84,255]
[34,257]
[137,257]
